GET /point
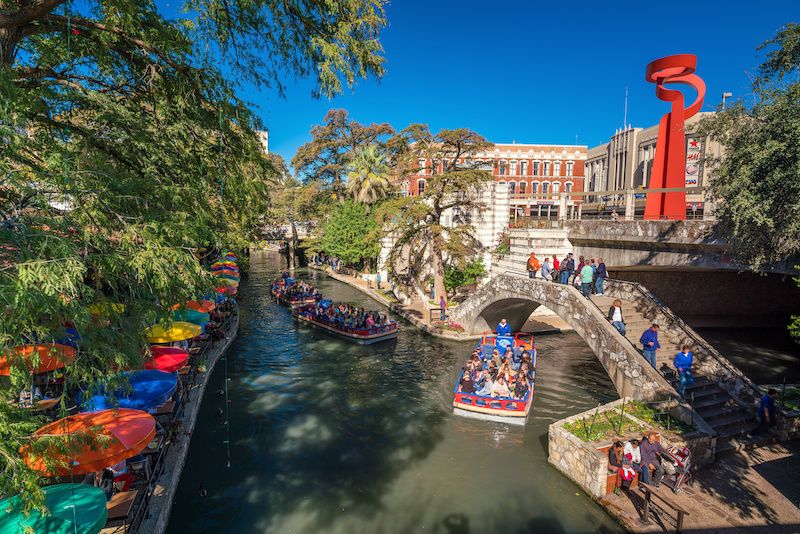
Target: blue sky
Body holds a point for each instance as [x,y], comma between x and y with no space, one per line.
[536,72]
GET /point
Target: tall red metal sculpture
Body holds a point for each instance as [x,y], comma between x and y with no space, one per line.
[669,164]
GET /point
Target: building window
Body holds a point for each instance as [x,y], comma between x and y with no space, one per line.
[545,187]
[523,168]
[522,187]
[513,168]
[570,165]
[536,168]
[422,168]
[568,187]
[420,186]
[557,168]
[534,188]
[556,187]
[502,168]
[512,187]
[546,171]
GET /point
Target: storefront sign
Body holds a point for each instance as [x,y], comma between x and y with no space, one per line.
[694,155]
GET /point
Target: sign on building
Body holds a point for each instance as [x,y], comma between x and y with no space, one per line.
[694,156]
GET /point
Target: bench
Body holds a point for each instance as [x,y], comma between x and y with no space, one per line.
[650,492]
[120,505]
[611,478]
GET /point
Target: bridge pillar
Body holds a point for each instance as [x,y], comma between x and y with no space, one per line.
[630,205]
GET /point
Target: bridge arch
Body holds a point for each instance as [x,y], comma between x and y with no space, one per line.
[511,296]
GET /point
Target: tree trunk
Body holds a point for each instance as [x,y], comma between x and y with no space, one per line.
[292,248]
[437,265]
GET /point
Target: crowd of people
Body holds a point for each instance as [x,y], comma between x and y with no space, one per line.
[347,316]
[292,289]
[589,275]
[508,375]
[637,457]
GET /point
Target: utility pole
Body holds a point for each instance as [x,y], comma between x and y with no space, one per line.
[725,95]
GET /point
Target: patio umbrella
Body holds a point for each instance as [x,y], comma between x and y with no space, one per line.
[232,277]
[227,290]
[106,308]
[227,272]
[224,264]
[191,316]
[227,282]
[94,441]
[179,331]
[74,508]
[168,359]
[51,356]
[149,389]
[204,306]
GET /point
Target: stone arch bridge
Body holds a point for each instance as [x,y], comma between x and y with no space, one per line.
[515,297]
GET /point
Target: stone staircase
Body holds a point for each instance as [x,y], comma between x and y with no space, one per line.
[729,419]
[546,243]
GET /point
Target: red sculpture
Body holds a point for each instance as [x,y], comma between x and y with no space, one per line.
[669,164]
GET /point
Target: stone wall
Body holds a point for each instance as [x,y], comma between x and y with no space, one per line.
[629,372]
[587,467]
[707,360]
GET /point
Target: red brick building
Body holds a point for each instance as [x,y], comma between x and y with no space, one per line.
[535,175]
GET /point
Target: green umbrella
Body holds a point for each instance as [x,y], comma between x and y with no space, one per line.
[191,316]
[74,509]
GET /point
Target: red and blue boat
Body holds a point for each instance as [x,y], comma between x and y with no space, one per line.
[501,409]
[286,291]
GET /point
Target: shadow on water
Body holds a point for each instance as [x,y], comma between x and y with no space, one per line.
[327,436]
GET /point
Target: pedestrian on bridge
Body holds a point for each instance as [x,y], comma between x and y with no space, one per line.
[600,277]
[546,269]
[615,316]
[533,265]
[587,275]
[567,266]
[650,344]
[683,365]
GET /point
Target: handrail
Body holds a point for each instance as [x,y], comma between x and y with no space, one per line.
[690,333]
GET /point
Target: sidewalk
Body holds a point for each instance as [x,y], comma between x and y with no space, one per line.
[751,491]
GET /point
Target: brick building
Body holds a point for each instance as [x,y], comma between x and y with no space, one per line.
[533,173]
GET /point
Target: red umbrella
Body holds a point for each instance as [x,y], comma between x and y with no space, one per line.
[168,359]
[91,441]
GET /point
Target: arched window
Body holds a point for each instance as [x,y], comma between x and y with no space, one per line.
[512,188]
[535,188]
[545,187]
[420,186]
[556,187]
[522,187]
[568,187]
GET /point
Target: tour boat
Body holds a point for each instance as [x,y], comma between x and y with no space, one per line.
[294,301]
[501,409]
[362,336]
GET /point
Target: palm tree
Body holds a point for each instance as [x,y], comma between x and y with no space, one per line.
[368,175]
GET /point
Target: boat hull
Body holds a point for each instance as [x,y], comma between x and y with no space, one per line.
[356,338]
[512,411]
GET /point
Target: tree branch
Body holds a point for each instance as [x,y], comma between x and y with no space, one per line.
[33,11]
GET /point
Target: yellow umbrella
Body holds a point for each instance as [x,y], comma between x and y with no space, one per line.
[179,331]
[229,282]
[106,308]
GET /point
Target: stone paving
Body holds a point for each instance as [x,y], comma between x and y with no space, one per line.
[751,491]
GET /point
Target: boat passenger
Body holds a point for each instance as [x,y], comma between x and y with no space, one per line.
[466,383]
[521,387]
[496,358]
[487,384]
[500,388]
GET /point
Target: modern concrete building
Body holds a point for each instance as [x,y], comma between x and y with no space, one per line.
[626,162]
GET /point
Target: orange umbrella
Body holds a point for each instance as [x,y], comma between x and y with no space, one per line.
[203,306]
[227,290]
[227,272]
[94,441]
[51,356]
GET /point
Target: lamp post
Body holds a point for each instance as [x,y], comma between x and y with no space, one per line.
[725,96]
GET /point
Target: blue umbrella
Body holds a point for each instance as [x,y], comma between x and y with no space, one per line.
[149,389]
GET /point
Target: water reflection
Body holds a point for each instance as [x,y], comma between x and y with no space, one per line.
[327,436]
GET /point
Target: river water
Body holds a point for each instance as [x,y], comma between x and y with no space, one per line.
[328,436]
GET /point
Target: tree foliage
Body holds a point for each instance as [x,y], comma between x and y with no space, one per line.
[456,276]
[351,234]
[756,178]
[327,156]
[125,152]
[455,182]
[368,175]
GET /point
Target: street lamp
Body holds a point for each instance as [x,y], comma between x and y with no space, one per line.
[725,96]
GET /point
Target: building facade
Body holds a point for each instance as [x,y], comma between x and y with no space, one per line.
[626,163]
[533,174]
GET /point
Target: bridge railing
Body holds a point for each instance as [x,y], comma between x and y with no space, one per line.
[697,340]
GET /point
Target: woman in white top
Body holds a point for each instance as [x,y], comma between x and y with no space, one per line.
[615,316]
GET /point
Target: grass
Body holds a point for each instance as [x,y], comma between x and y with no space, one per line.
[603,426]
[791,399]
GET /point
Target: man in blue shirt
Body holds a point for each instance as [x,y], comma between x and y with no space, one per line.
[503,329]
[683,365]
[767,410]
[650,344]
[601,276]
